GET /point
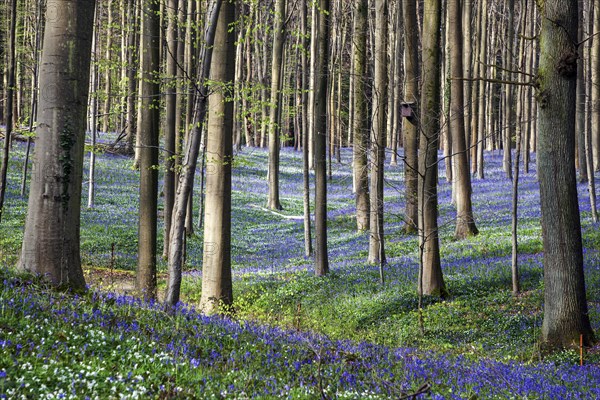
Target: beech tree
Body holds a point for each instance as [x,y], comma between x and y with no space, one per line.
[321,64]
[565,304]
[359,120]
[188,166]
[148,150]
[51,239]
[216,264]
[410,127]
[378,134]
[432,280]
[274,122]
[465,223]
[10,91]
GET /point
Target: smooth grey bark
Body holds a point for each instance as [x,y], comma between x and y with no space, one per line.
[308,249]
[359,121]
[130,119]
[10,93]
[190,160]
[320,136]
[410,127]
[595,60]
[51,238]
[217,294]
[170,125]
[432,278]
[148,151]
[516,284]
[378,135]
[108,68]
[509,91]
[465,223]
[565,305]
[34,91]
[275,106]
[93,113]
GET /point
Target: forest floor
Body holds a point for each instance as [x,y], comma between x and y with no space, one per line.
[344,335]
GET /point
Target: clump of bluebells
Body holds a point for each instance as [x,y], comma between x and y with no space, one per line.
[60,345]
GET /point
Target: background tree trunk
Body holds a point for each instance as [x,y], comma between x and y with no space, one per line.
[465,223]
[51,238]
[10,94]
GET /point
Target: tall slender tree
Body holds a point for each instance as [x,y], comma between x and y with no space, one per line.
[432,280]
[170,126]
[308,248]
[465,223]
[188,167]
[274,122]
[321,66]
[359,120]
[565,304]
[216,271]
[378,134]
[51,239]
[410,127]
[148,150]
[10,94]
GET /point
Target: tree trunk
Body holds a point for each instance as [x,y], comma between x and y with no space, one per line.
[359,122]
[217,292]
[108,68]
[595,59]
[565,305]
[410,126]
[304,116]
[432,279]
[131,78]
[274,123]
[378,135]
[148,151]
[93,113]
[10,91]
[51,238]
[465,223]
[320,137]
[170,126]
[188,167]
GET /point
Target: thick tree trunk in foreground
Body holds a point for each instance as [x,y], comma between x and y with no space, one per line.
[148,151]
[320,132]
[565,305]
[51,238]
[217,292]
[378,135]
[432,279]
[188,168]
[359,120]
[274,122]
[410,126]
[170,126]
